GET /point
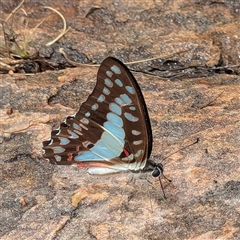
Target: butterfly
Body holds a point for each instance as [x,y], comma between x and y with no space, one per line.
[111,132]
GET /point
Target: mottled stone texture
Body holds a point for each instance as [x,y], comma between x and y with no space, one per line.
[197,101]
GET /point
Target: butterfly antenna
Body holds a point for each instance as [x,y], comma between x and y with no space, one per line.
[169,180]
[196,141]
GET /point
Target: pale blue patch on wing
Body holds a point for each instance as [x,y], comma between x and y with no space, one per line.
[106,148]
[106,91]
[95,106]
[76,126]
[58,158]
[108,82]
[130,89]
[118,82]
[101,145]
[115,130]
[115,108]
[114,146]
[73,135]
[130,117]
[101,98]
[58,149]
[86,156]
[115,119]
[132,108]
[126,98]
[109,73]
[87,114]
[119,101]
[116,69]
[64,141]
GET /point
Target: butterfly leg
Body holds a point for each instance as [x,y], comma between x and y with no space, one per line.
[163,196]
[131,179]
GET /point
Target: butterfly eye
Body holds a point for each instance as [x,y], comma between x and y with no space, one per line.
[158,170]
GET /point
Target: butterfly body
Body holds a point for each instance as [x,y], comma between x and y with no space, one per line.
[111,132]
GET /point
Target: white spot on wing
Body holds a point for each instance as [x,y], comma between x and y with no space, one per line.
[84,121]
[51,141]
[58,149]
[132,108]
[128,158]
[138,153]
[137,142]
[135,132]
[83,126]
[77,132]
[130,117]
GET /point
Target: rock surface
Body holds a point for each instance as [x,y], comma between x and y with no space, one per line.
[42,201]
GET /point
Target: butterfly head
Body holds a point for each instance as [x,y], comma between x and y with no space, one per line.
[156,168]
[158,171]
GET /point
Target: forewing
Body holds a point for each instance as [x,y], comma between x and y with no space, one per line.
[112,127]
